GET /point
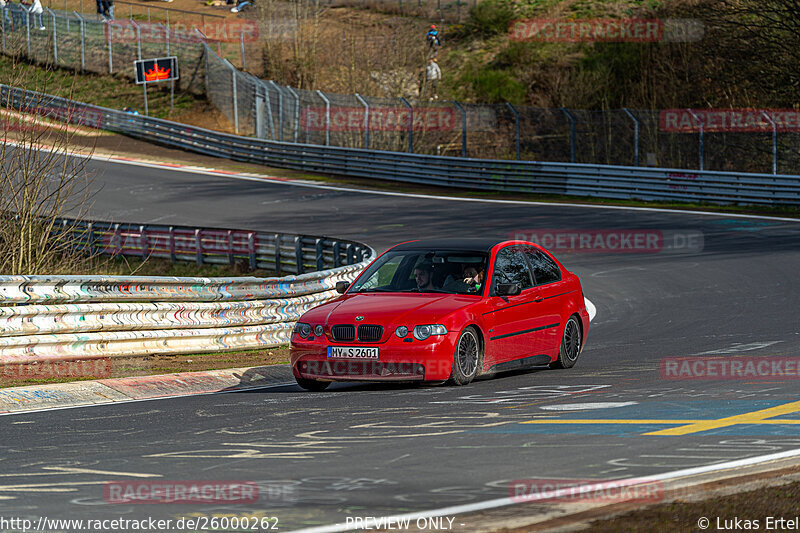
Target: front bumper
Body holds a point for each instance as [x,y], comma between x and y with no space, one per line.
[428,360]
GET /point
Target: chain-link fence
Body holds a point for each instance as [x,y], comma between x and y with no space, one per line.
[625,137]
[420,124]
[80,41]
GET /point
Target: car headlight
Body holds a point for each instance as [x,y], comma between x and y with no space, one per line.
[401,331]
[302,329]
[318,330]
[423,332]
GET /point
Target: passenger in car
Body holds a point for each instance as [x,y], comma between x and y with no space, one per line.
[470,280]
[473,276]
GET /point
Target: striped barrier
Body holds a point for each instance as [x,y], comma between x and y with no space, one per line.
[45,318]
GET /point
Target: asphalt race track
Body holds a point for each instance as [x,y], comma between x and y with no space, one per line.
[715,285]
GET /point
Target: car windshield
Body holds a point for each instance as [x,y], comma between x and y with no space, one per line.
[434,271]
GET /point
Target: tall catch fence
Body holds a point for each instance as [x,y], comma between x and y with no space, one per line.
[82,42]
[421,125]
[625,137]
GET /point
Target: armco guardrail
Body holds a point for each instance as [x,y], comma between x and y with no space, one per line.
[484,174]
[67,317]
[281,253]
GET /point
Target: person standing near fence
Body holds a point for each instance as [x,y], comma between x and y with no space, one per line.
[6,17]
[432,76]
[37,10]
[108,9]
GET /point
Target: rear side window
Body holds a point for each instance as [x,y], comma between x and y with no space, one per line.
[545,270]
[511,267]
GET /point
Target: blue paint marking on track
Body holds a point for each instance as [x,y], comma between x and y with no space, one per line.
[636,430]
[697,409]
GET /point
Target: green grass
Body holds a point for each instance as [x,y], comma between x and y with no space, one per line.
[104,90]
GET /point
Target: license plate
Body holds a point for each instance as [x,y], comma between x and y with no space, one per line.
[352,352]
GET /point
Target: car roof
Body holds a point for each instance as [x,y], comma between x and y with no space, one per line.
[475,245]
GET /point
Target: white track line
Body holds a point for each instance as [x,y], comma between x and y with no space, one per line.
[588,488]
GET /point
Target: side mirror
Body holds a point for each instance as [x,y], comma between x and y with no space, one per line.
[342,286]
[508,289]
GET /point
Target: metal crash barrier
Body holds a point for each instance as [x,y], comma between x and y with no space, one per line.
[634,183]
[66,317]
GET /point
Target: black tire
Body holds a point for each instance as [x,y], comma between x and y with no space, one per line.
[570,345]
[312,384]
[467,359]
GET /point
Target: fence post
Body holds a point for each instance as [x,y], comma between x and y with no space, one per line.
[280,110]
[268,104]
[205,66]
[337,251]
[230,247]
[171,82]
[258,106]
[571,134]
[410,125]
[463,129]
[138,39]
[296,112]
[143,241]
[241,42]
[198,247]
[327,118]
[298,253]
[55,37]
[516,126]
[110,55]
[235,98]
[28,30]
[635,137]
[320,256]
[83,40]
[3,26]
[702,147]
[774,142]
[251,247]
[278,254]
[366,120]
[91,238]
[172,244]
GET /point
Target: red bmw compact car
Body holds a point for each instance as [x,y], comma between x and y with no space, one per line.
[444,310]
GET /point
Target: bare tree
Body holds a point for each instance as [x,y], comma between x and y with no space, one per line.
[759,47]
[41,180]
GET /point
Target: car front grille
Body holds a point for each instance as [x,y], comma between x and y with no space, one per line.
[369,333]
[343,332]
